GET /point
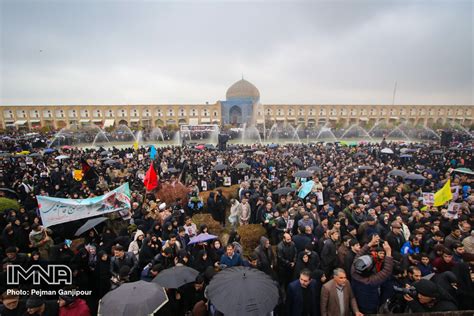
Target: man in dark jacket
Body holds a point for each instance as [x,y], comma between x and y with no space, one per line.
[349,258]
[329,253]
[265,256]
[286,256]
[366,281]
[122,258]
[395,238]
[303,297]
[429,299]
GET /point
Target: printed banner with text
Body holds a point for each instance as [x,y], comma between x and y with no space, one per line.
[55,211]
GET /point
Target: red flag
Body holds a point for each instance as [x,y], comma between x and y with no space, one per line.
[85,166]
[151,178]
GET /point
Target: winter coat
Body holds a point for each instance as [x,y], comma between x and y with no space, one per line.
[366,288]
[265,257]
[77,308]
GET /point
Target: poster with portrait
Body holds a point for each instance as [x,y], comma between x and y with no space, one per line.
[129,155]
[428,198]
[453,209]
[204,185]
[455,191]
[320,197]
[200,171]
[227,181]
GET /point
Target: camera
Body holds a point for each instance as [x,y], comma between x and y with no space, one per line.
[406,290]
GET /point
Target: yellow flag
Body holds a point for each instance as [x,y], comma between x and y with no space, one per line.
[135,145]
[444,195]
[77,174]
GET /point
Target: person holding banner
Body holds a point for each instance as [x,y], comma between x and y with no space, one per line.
[40,239]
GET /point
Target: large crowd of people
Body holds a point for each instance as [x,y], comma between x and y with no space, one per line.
[358,240]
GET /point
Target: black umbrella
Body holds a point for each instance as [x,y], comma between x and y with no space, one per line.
[283,191]
[315,168]
[243,291]
[436,152]
[303,174]
[414,176]
[398,173]
[136,298]
[360,154]
[175,277]
[9,192]
[110,162]
[172,170]
[297,161]
[366,168]
[242,166]
[89,225]
[219,167]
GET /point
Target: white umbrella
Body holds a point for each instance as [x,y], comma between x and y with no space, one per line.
[61,157]
[386,151]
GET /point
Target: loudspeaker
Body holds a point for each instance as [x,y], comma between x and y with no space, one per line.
[446,138]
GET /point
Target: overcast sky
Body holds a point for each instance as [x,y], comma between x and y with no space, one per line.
[166,52]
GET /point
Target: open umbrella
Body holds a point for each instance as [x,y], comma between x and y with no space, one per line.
[172,170]
[89,225]
[136,298]
[201,238]
[5,155]
[436,152]
[175,277]
[360,154]
[66,147]
[259,152]
[414,176]
[297,162]
[9,192]
[49,150]
[105,153]
[61,157]
[386,151]
[464,170]
[408,150]
[110,162]
[243,291]
[303,174]
[315,168]
[283,191]
[242,166]
[398,173]
[406,156]
[210,146]
[200,147]
[365,168]
[219,167]
[273,146]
